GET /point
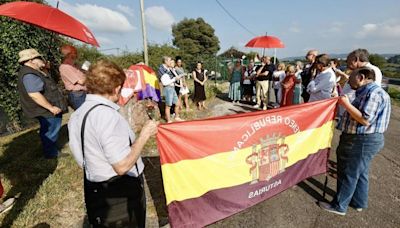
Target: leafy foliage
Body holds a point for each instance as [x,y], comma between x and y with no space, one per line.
[196,39]
[87,53]
[377,60]
[394,59]
[14,37]
[156,52]
[232,53]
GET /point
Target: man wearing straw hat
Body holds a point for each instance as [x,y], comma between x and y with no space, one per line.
[41,99]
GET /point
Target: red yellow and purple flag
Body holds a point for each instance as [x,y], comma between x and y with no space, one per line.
[214,168]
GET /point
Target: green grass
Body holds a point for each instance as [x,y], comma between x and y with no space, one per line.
[51,191]
[391,70]
[395,95]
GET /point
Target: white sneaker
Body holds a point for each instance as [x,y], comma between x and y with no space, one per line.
[265,107]
[359,209]
[256,106]
[7,205]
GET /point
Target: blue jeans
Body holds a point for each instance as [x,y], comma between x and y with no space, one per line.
[354,155]
[170,95]
[76,98]
[49,129]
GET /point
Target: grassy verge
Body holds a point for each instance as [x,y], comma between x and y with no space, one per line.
[395,95]
[50,191]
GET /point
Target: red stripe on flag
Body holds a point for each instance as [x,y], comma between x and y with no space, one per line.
[201,138]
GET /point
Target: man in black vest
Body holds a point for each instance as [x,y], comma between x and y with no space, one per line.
[40,98]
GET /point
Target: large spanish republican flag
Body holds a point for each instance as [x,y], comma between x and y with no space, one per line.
[216,167]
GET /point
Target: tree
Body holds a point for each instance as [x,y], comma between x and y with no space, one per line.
[195,38]
[395,59]
[14,37]
[87,53]
[156,52]
[232,53]
[377,60]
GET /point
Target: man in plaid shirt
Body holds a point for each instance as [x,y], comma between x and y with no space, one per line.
[362,126]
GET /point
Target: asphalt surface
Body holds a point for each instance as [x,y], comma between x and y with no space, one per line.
[297,206]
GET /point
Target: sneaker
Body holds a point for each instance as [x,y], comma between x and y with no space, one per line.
[359,209]
[328,207]
[256,106]
[7,205]
[265,108]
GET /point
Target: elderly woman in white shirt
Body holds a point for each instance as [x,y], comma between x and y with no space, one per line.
[104,145]
[278,77]
[323,86]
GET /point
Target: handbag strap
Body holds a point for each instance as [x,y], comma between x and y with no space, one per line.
[83,141]
[83,131]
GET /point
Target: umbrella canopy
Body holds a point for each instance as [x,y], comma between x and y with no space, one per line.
[265,42]
[49,18]
[140,79]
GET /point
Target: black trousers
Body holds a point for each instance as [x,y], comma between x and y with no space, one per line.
[118,202]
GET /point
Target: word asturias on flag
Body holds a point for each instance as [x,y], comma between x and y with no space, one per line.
[217,167]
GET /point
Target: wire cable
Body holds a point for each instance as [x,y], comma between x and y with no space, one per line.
[233,18]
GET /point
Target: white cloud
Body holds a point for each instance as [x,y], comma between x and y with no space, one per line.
[104,41]
[126,10]
[332,31]
[388,30]
[335,27]
[98,18]
[159,18]
[295,28]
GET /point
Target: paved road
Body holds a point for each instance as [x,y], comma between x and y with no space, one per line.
[296,207]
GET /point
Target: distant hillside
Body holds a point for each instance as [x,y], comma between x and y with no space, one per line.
[334,56]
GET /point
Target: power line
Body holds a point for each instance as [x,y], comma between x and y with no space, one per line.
[233,18]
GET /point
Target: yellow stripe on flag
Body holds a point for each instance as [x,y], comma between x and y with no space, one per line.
[192,178]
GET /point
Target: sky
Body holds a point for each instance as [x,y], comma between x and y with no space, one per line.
[330,26]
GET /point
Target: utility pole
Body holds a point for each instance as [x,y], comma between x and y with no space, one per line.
[146,54]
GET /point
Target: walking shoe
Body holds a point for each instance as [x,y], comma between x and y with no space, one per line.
[256,106]
[7,205]
[359,209]
[328,207]
[265,108]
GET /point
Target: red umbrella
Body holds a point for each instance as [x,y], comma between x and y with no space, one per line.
[265,42]
[49,18]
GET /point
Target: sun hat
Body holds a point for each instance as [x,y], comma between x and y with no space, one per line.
[28,54]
